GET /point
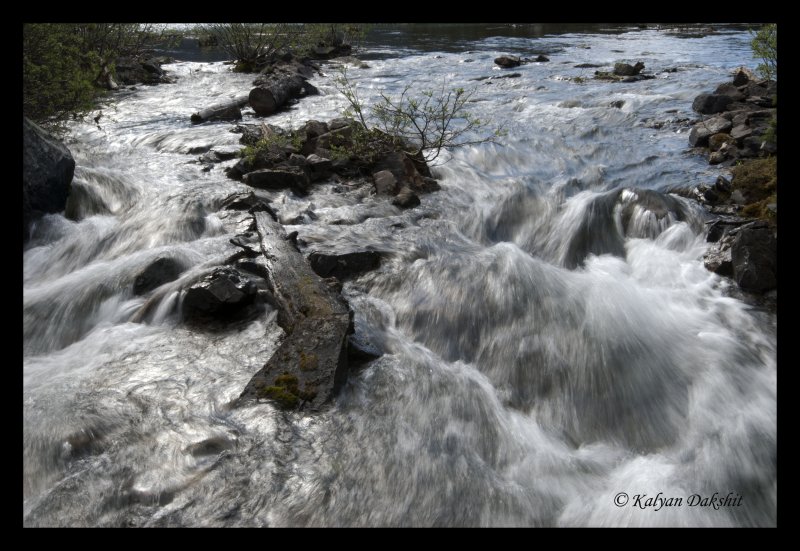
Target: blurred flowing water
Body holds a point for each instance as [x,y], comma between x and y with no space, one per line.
[552,338]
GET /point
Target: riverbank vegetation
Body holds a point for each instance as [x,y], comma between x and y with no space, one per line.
[66,66]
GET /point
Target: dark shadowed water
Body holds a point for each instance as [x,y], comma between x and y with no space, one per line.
[552,338]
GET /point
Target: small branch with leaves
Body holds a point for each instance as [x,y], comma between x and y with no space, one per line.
[424,124]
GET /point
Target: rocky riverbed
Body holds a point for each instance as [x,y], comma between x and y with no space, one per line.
[233,322]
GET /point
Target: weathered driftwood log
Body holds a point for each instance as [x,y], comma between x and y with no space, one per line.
[268,98]
[229,110]
[311,363]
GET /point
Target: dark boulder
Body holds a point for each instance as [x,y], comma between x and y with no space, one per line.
[754,257]
[406,199]
[288,177]
[47,170]
[385,182]
[617,104]
[542,58]
[134,71]
[429,185]
[718,257]
[709,104]
[627,70]
[343,266]
[729,90]
[742,77]
[320,167]
[405,170]
[508,61]
[312,129]
[162,270]
[222,294]
[361,349]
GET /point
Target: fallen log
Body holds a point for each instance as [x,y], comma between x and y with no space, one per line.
[225,111]
[310,365]
[268,98]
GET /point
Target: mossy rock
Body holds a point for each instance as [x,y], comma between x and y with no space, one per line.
[757,181]
[286,393]
[308,362]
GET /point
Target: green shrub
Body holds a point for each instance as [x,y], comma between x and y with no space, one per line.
[62,64]
[421,125]
[765,48]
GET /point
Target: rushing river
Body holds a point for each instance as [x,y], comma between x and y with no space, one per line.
[552,339]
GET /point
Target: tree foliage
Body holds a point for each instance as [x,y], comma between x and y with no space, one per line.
[421,125]
[57,72]
[62,62]
[253,45]
[765,48]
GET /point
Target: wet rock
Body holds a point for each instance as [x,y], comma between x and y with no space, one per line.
[47,170]
[245,242]
[222,294]
[718,257]
[313,129]
[729,90]
[346,265]
[429,185]
[297,160]
[702,131]
[404,170]
[289,177]
[541,58]
[219,154]
[587,66]
[360,349]
[617,104]
[709,104]
[627,70]
[754,257]
[131,70]
[320,167]
[246,201]
[406,199]
[507,61]
[210,446]
[251,133]
[162,270]
[385,182]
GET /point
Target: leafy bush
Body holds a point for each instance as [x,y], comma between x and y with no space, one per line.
[423,125]
[253,45]
[62,63]
[765,48]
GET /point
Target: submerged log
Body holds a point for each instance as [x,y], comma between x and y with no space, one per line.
[310,365]
[229,110]
[268,98]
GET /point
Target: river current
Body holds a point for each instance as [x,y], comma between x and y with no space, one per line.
[551,337]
